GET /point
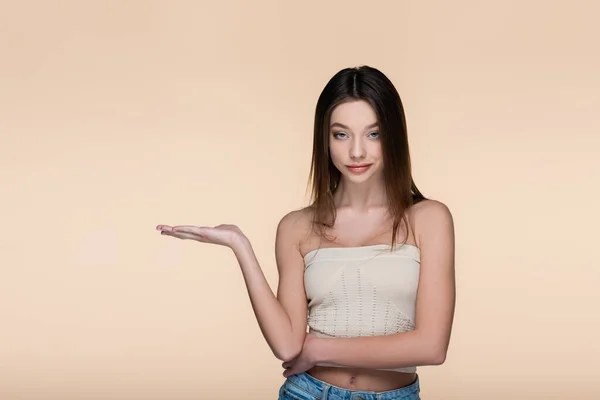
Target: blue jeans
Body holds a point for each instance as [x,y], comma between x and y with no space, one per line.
[305,387]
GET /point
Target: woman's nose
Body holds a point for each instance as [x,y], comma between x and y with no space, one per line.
[357,149]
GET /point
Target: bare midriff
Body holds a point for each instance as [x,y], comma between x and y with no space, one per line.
[362,379]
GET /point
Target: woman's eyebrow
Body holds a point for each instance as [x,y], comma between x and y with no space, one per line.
[373,125]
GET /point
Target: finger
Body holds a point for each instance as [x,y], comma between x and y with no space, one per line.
[164,229]
[179,235]
[195,230]
[286,364]
[288,372]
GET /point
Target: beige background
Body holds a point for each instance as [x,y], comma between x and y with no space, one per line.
[116,116]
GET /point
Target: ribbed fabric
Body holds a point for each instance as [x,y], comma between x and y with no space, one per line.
[362,291]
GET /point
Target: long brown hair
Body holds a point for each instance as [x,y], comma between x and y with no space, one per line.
[369,84]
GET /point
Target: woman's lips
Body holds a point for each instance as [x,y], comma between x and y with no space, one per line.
[358,169]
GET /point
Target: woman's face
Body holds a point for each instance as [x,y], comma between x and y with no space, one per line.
[354,143]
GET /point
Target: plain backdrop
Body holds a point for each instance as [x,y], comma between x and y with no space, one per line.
[117,116]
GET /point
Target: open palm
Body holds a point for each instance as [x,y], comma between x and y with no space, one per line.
[224,234]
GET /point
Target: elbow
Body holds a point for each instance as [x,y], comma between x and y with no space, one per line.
[287,356]
[288,353]
[438,358]
[437,355]
[433,349]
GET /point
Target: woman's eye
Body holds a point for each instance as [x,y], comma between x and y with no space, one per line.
[375,134]
[338,134]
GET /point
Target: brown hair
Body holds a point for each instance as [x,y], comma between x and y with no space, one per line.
[369,84]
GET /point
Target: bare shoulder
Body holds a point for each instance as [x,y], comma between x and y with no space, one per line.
[432,218]
[431,209]
[295,226]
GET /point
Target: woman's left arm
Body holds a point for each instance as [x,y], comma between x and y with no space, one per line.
[427,344]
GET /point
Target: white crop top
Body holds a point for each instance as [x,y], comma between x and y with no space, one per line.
[362,291]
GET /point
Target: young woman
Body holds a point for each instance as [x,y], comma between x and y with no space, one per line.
[368,267]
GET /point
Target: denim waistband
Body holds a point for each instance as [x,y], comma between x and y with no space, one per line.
[317,389]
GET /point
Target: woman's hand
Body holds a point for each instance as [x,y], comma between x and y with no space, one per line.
[305,360]
[224,235]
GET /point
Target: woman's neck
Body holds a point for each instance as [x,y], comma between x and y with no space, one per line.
[361,196]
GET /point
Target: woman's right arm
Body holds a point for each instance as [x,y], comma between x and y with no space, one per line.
[282,318]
